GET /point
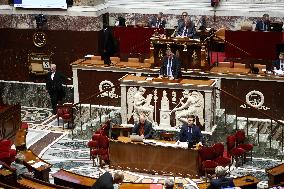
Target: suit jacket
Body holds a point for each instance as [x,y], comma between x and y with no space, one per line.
[55,85]
[105,181]
[276,64]
[175,67]
[184,135]
[221,182]
[109,43]
[191,30]
[161,23]
[260,26]
[148,130]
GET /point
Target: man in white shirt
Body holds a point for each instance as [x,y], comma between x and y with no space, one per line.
[188,30]
[279,64]
[170,66]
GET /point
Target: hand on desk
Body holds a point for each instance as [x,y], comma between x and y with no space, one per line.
[171,78]
[160,76]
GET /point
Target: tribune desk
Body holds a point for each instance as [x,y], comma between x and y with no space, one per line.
[142,157]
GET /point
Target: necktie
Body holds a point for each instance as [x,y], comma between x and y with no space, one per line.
[190,134]
[169,66]
[141,130]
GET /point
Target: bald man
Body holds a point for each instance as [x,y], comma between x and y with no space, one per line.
[54,86]
[143,127]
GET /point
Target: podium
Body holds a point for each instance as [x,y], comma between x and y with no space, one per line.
[192,52]
[161,96]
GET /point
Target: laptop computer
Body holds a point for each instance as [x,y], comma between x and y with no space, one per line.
[136,138]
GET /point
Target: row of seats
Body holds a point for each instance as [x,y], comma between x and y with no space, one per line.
[99,145]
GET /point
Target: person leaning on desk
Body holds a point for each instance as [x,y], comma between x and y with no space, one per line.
[143,127]
[170,66]
[190,132]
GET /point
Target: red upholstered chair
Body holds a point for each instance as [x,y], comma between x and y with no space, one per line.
[24,125]
[65,112]
[104,148]
[99,147]
[7,154]
[232,150]
[207,156]
[220,159]
[240,140]
[94,145]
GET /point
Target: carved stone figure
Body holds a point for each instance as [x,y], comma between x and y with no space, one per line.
[143,105]
[192,103]
[164,111]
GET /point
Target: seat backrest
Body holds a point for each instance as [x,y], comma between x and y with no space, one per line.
[218,149]
[231,142]
[240,136]
[103,142]
[207,153]
[96,137]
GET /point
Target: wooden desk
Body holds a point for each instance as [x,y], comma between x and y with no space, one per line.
[149,158]
[31,183]
[275,175]
[239,182]
[10,121]
[140,186]
[73,180]
[20,140]
[42,172]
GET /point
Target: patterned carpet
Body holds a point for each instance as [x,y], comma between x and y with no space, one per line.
[55,145]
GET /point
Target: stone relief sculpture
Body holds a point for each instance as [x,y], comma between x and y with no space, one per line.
[130,101]
[143,105]
[192,103]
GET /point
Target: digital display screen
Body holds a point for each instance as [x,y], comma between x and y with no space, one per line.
[53,4]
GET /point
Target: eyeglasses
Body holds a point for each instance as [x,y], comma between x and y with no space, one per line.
[184,15]
[190,120]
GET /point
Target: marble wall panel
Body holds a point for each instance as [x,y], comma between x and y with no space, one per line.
[229,22]
[29,94]
[54,22]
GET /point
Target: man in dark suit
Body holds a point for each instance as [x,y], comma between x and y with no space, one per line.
[181,21]
[170,66]
[190,133]
[279,64]
[222,181]
[263,24]
[106,181]
[186,30]
[54,86]
[158,21]
[109,45]
[143,127]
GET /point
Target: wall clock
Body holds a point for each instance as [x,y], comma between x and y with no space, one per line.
[39,39]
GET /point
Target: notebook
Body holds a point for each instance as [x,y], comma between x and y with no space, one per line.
[136,138]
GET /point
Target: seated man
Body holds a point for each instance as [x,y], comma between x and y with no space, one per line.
[279,63]
[190,133]
[222,181]
[21,169]
[106,181]
[158,21]
[143,127]
[263,24]
[188,30]
[170,66]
